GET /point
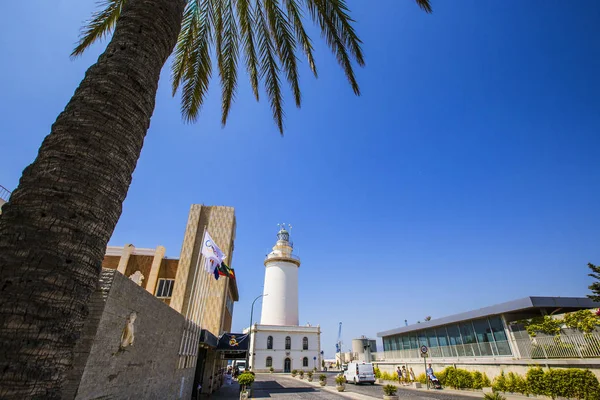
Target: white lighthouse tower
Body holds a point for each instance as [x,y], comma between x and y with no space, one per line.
[279,342]
[280,307]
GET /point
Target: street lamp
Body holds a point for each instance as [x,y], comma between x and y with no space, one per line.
[250,333]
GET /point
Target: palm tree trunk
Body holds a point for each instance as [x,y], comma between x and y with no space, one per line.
[54,229]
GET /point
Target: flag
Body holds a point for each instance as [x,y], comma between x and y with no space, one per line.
[224,270]
[212,254]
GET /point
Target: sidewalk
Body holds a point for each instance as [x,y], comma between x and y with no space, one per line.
[349,395]
[226,392]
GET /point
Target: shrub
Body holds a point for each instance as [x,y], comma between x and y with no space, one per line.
[499,384]
[480,380]
[456,378]
[322,377]
[301,373]
[535,380]
[422,378]
[386,376]
[309,374]
[377,372]
[516,384]
[390,390]
[271,369]
[246,379]
[493,396]
[340,379]
[294,372]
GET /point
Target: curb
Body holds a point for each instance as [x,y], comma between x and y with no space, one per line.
[349,395]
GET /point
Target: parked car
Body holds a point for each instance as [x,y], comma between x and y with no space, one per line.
[358,373]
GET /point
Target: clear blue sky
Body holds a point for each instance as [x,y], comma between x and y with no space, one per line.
[466,175]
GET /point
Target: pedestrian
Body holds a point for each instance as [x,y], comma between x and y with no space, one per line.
[406,379]
[399,372]
[412,375]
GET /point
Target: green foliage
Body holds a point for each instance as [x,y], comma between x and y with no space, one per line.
[516,384]
[594,287]
[322,377]
[456,378]
[535,380]
[340,380]
[493,396]
[386,376]
[246,379]
[301,373]
[377,372]
[422,378]
[499,384]
[390,390]
[545,324]
[271,369]
[584,320]
[309,374]
[480,380]
[294,372]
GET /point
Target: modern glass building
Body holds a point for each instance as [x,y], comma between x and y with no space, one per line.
[488,332]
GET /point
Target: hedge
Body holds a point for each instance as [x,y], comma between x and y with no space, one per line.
[571,383]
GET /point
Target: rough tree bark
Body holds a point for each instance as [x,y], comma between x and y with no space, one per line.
[54,229]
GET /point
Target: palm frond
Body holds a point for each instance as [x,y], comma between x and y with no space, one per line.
[228,64]
[282,34]
[247,24]
[183,48]
[325,15]
[425,5]
[197,70]
[269,70]
[341,18]
[295,16]
[100,25]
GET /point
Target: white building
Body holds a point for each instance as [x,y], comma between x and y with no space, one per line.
[279,341]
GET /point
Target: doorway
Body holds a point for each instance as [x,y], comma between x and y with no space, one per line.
[287,365]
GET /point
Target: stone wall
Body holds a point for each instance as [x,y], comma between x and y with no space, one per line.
[145,370]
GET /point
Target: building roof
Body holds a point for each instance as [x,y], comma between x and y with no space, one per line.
[514,310]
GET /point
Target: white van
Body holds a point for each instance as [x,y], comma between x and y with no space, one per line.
[360,373]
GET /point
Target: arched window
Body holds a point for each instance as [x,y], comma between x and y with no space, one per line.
[270,343]
[305,343]
[288,343]
[305,362]
[269,361]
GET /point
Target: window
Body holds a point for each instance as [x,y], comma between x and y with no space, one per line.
[269,362]
[270,343]
[288,343]
[305,362]
[500,336]
[165,288]
[305,343]
[484,336]
[229,304]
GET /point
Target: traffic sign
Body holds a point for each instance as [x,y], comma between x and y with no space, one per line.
[424,349]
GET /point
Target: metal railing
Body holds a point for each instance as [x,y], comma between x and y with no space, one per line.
[4,193]
[562,346]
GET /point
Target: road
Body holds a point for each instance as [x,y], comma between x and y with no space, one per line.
[278,386]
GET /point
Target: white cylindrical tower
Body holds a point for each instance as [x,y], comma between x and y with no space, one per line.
[280,307]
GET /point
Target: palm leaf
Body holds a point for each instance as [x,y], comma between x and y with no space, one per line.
[282,34]
[425,5]
[269,70]
[183,49]
[197,68]
[247,23]
[228,63]
[295,16]
[100,25]
[325,15]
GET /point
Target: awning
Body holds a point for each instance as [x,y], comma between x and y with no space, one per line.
[207,339]
[233,346]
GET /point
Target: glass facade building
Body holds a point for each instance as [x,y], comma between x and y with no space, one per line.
[482,337]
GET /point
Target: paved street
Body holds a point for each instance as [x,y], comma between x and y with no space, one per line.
[283,386]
